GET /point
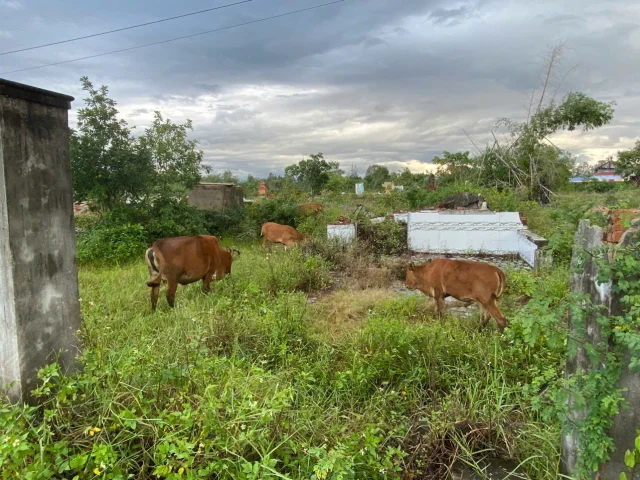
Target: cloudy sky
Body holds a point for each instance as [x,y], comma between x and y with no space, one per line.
[363,81]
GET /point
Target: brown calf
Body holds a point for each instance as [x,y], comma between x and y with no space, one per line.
[284,234]
[464,280]
[185,260]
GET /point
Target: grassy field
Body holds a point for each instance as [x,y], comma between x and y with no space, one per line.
[252,382]
[255,381]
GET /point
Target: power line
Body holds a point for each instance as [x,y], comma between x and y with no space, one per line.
[176,38]
[127,28]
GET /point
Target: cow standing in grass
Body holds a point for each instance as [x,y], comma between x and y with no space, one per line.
[185,260]
[284,234]
[465,280]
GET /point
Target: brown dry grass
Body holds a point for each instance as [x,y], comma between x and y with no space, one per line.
[345,311]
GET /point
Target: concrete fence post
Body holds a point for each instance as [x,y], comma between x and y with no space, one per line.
[584,281]
[39,305]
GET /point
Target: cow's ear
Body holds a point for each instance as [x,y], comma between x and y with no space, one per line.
[411,266]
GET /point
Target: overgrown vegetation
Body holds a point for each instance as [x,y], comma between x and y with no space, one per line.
[249,383]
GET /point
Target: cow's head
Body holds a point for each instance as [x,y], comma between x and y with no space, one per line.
[411,280]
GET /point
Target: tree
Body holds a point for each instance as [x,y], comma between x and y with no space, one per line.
[177,164]
[225,177]
[455,167]
[530,161]
[312,173]
[111,167]
[628,164]
[107,164]
[583,170]
[375,176]
[250,186]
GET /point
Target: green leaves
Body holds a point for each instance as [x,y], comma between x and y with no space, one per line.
[111,167]
[628,163]
[313,173]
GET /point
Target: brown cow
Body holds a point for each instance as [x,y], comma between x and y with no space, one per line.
[464,280]
[284,234]
[310,208]
[185,260]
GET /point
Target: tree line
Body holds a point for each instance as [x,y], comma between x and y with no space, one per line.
[111,167]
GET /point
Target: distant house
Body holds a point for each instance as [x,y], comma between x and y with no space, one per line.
[603,172]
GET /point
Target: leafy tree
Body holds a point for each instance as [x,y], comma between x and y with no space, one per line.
[583,170]
[628,164]
[177,164]
[225,177]
[530,161]
[112,168]
[455,167]
[250,185]
[107,164]
[312,173]
[409,179]
[375,176]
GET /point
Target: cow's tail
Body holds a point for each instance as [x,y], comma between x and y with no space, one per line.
[262,231]
[502,283]
[154,272]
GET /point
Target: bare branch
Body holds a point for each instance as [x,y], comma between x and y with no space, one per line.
[554,58]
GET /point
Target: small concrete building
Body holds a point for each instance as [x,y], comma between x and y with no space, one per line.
[216,196]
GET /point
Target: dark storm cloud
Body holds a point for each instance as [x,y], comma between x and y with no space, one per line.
[363,81]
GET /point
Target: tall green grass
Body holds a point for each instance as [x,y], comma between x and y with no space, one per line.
[246,384]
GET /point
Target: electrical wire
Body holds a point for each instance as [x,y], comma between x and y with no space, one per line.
[176,38]
[126,28]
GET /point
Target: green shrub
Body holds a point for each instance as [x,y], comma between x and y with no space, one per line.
[111,243]
[386,238]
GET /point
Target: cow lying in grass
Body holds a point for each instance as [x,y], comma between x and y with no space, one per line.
[185,260]
[464,280]
[284,234]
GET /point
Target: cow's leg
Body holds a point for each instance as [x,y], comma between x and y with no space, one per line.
[155,292]
[484,319]
[495,312]
[172,286]
[440,306]
[264,241]
[206,282]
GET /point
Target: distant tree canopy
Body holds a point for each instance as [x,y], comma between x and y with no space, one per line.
[628,164]
[583,170]
[313,173]
[225,177]
[110,167]
[375,176]
[528,161]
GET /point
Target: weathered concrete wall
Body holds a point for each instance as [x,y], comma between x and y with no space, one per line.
[584,280]
[39,307]
[216,196]
[627,422]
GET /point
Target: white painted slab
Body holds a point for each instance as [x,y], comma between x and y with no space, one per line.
[345,233]
[464,232]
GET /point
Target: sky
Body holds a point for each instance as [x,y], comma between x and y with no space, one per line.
[392,82]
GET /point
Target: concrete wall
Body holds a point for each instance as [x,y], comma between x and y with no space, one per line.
[216,196]
[584,281]
[39,309]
